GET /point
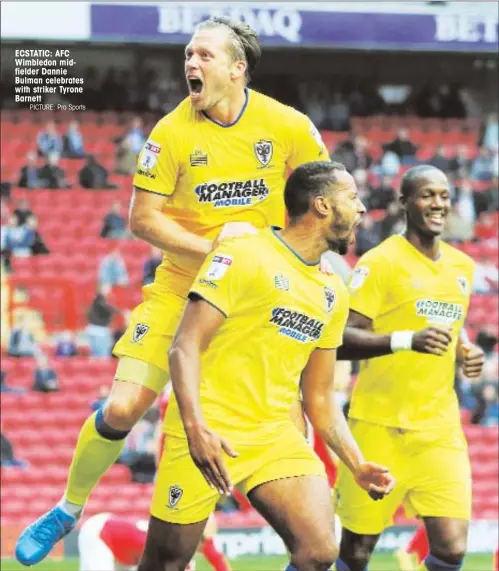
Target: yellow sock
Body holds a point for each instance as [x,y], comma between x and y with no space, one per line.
[92,457]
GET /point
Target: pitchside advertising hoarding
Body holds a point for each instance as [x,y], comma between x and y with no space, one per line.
[452,26]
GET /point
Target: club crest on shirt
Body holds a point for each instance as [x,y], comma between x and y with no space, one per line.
[264,151]
[330,297]
[174,495]
[463,284]
[139,332]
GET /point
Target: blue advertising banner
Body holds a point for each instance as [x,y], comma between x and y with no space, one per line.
[173,23]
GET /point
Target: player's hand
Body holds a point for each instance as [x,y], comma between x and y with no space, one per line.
[206,447]
[234,230]
[375,479]
[434,340]
[472,361]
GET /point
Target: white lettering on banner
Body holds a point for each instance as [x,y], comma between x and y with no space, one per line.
[465,28]
[179,19]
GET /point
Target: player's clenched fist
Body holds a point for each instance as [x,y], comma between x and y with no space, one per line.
[375,479]
[434,340]
[206,447]
[234,230]
[471,360]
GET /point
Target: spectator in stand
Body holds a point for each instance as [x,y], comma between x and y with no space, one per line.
[482,167]
[115,225]
[151,264]
[487,340]
[486,277]
[393,222]
[73,146]
[112,269]
[49,141]
[390,164]
[490,138]
[383,195]
[403,147]
[126,158]
[450,102]
[363,187]
[93,175]
[52,174]
[4,387]
[139,453]
[99,317]
[7,456]
[439,160]
[66,345]
[22,339]
[486,392]
[23,210]
[17,239]
[30,176]
[460,165]
[466,202]
[353,154]
[45,377]
[135,135]
[457,229]
[38,246]
[338,113]
[368,235]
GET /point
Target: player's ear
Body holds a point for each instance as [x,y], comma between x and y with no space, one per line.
[238,69]
[321,206]
[403,201]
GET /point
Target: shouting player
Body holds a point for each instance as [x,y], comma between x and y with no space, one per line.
[260,315]
[404,411]
[213,168]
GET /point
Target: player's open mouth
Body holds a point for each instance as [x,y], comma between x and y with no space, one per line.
[195,85]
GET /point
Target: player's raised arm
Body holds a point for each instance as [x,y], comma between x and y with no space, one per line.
[329,422]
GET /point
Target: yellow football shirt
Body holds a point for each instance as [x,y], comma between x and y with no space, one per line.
[213,174]
[399,288]
[278,310]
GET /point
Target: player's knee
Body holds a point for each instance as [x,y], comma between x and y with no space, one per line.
[451,551]
[317,558]
[122,414]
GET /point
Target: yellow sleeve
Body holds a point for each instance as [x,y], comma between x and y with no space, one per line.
[307,143]
[158,164]
[333,335]
[225,276]
[368,284]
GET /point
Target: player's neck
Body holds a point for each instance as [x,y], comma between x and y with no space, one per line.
[304,242]
[229,109]
[429,246]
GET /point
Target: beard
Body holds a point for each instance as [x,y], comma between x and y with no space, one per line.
[339,246]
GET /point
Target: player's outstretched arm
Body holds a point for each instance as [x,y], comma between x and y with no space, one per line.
[328,420]
[361,342]
[198,325]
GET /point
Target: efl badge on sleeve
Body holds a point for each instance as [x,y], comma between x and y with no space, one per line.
[359,276]
[218,267]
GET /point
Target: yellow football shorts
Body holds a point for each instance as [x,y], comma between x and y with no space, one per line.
[432,470]
[143,348]
[182,495]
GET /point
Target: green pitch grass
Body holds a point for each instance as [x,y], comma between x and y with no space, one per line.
[380,562]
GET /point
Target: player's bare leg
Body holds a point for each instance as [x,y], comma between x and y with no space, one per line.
[170,546]
[300,511]
[100,442]
[355,550]
[448,539]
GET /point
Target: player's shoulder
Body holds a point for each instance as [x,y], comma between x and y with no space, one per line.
[277,111]
[385,252]
[456,256]
[182,114]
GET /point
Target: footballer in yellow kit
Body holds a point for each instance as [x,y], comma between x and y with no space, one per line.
[211,174]
[271,299]
[404,411]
